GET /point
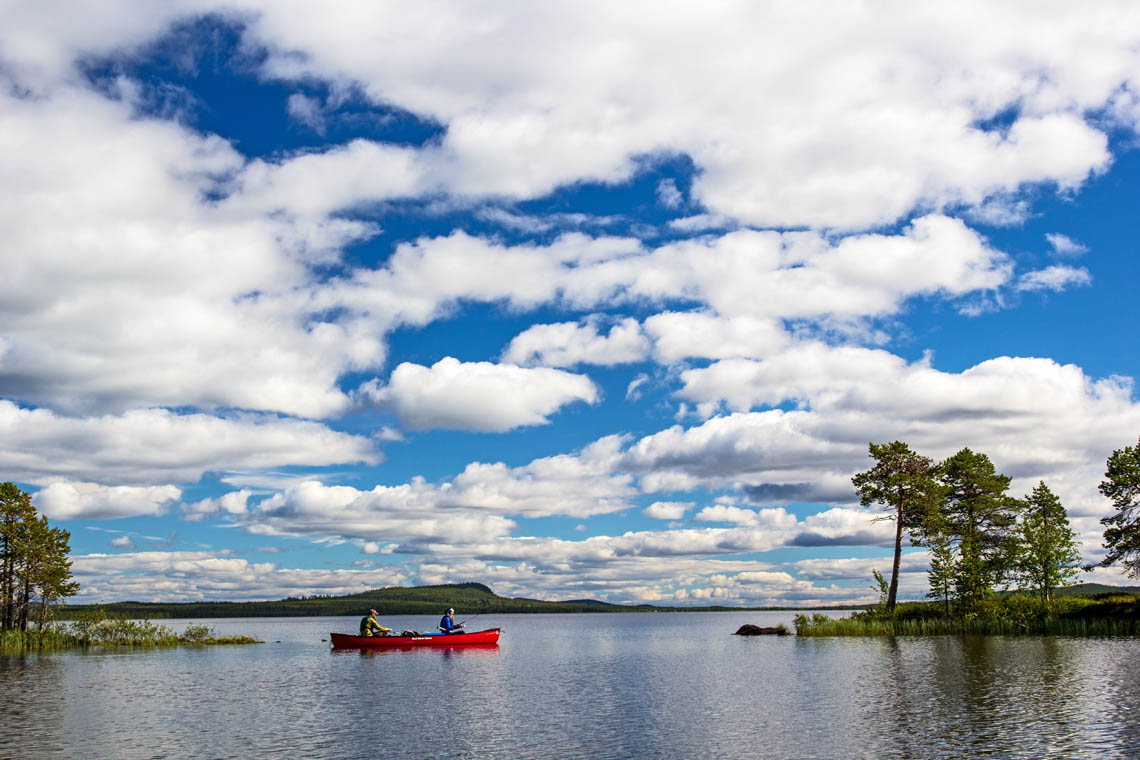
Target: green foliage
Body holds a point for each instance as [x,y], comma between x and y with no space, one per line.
[466,598]
[198,634]
[1122,530]
[979,515]
[1016,614]
[942,563]
[903,483]
[1047,555]
[33,561]
[882,587]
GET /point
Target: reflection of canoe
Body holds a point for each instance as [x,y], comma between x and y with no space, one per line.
[344,640]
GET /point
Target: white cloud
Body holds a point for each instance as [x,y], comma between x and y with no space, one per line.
[473,506]
[199,575]
[681,335]
[1055,278]
[569,343]
[668,195]
[90,501]
[668,510]
[477,395]
[123,542]
[885,105]
[634,390]
[157,446]
[307,111]
[1063,245]
[1034,417]
[134,291]
[232,503]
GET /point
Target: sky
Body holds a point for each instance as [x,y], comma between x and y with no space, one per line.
[576,300]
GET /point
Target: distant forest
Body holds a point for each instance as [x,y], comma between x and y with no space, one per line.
[467,598]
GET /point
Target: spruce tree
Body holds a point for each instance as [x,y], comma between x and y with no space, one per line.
[1048,554]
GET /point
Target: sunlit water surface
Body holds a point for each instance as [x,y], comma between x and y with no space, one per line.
[580,686]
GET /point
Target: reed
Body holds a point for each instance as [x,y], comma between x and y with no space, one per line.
[111,632]
[1016,615]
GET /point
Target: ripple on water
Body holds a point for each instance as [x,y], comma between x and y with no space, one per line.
[582,686]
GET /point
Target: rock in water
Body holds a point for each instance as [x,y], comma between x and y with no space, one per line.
[754,630]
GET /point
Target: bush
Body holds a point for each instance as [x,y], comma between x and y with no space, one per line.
[198,634]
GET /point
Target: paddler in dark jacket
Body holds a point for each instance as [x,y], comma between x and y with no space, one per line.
[369,626]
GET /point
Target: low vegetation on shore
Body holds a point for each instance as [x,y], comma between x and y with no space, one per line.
[100,630]
[1107,614]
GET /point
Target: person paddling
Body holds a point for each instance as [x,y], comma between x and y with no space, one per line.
[370,627]
[447,623]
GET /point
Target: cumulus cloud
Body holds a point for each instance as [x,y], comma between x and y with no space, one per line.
[90,501]
[199,575]
[1055,278]
[869,143]
[123,542]
[1034,417]
[668,510]
[681,335]
[473,506]
[232,503]
[477,395]
[569,343]
[159,446]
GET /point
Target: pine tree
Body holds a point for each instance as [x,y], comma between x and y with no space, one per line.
[903,482]
[16,511]
[980,515]
[1048,553]
[35,560]
[1122,530]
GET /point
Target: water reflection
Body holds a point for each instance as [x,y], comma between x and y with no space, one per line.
[467,650]
[584,686]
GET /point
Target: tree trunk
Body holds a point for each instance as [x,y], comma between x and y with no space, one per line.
[893,593]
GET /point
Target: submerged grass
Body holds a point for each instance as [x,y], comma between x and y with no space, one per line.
[1018,614]
[111,632]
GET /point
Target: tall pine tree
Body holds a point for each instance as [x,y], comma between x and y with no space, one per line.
[903,483]
[1122,530]
[1047,554]
[980,515]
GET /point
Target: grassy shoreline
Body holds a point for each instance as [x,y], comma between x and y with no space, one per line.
[112,632]
[1014,615]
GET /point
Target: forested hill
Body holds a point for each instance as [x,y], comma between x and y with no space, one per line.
[466,598]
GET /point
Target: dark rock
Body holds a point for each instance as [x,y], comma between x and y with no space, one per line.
[754,630]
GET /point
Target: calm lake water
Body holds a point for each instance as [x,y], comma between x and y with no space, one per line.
[665,685]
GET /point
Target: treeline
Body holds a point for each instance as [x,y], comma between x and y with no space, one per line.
[467,598]
[982,539]
[34,567]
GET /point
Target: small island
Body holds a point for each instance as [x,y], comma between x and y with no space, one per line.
[998,564]
[35,577]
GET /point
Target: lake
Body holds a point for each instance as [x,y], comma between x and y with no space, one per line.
[634,685]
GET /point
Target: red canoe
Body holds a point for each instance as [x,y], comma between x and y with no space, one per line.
[345,641]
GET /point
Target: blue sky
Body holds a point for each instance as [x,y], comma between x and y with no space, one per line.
[572,302]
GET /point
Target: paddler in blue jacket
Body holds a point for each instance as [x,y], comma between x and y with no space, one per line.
[447,623]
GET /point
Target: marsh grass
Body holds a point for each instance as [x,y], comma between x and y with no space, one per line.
[1017,614]
[99,630]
